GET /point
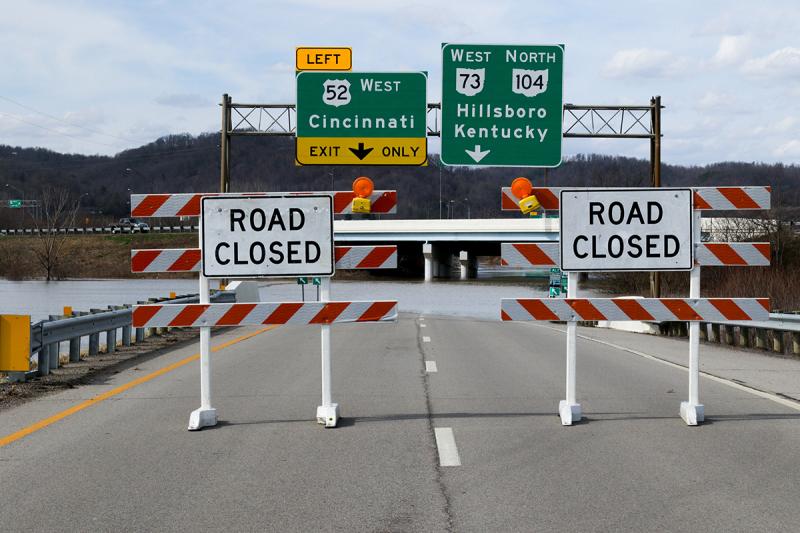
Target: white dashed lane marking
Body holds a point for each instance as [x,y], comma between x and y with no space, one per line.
[430,366]
[446,444]
[426,339]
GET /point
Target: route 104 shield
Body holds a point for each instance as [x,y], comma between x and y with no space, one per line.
[267,236]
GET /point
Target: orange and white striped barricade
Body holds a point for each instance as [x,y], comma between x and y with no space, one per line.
[189,259]
[264,313]
[220,237]
[548,254]
[647,309]
[694,309]
[188,204]
[704,198]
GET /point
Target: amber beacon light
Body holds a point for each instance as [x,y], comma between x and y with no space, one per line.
[362,188]
[522,188]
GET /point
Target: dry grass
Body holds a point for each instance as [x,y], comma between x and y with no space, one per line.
[87,256]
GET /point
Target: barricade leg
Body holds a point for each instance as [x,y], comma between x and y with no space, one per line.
[693,412]
[570,410]
[206,415]
[328,412]
[139,335]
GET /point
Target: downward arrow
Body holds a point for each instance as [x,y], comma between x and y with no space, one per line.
[476,154]
[362,152]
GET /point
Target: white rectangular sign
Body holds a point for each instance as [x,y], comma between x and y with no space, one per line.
[626,229]
[265,236]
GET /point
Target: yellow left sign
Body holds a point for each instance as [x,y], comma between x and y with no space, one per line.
[313,58]
[15,343]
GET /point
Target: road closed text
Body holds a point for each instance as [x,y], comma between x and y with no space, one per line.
[274,252]
[650,245]
[267,236]
[637,229]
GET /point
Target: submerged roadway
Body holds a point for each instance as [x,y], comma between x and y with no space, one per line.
[449,425]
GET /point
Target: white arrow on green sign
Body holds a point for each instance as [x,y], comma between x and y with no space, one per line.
[502,105]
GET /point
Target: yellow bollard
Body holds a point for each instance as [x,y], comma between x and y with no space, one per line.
[67,310]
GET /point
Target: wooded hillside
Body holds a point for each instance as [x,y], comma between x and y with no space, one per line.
[185,163]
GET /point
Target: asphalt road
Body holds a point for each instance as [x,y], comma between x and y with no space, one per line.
[128,463]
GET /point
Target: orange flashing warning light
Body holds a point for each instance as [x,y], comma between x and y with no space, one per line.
[362,187]
[522,188]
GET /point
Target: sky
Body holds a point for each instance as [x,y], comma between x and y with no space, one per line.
[98,77]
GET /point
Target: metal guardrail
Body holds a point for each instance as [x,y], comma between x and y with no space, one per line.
[47,335]
[185,228]
[780,334]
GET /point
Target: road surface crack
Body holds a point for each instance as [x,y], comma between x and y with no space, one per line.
[439,478]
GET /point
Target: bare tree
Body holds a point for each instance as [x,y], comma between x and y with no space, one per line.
[58,210]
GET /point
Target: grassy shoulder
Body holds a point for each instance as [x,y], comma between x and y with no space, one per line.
[86,256]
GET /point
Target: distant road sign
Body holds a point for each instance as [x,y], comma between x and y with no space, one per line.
[502,105]
[626,229]
[361,118]
[267,236]
[327,58]
[16,204]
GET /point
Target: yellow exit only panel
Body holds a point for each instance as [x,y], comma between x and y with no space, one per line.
[312,58]
[15,343]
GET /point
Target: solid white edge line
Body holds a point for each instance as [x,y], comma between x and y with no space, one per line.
[446,445]
[755,392]
[430,366]
[426,339]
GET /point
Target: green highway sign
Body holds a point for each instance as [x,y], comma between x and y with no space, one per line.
[15,203]
[502,105]
[361,118]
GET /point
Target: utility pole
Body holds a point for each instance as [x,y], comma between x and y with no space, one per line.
[655,174]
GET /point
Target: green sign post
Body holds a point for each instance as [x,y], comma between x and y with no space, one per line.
[502,105]
[361,118]
[16,204]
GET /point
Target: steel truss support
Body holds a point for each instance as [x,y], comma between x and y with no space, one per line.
[579,121]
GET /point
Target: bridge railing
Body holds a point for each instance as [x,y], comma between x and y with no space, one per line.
[780,334]
[47,335]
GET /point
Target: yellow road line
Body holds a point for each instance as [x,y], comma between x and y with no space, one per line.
[41,424]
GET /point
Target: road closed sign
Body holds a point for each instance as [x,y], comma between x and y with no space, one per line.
[267,236]
[626,229]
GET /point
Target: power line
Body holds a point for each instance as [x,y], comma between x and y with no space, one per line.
[29,108]
[14,117]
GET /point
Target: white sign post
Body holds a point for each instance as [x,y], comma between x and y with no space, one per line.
[626,230]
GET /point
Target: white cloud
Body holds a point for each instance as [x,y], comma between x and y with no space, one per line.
[183,100]
[783,63]
[712,100]
[788,149]
[645,62]
[732,49]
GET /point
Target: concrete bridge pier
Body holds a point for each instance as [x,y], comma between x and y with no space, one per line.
[437,261]
[468,265]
